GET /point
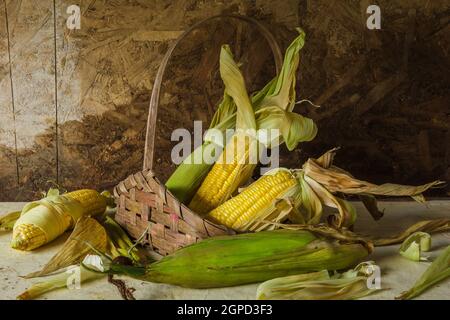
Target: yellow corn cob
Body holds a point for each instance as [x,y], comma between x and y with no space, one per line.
[253,200]
[225,177]
[93,202]
[29,236]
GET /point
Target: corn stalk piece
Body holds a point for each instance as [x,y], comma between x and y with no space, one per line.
[248,258]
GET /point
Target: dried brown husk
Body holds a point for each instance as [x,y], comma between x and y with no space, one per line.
[320,181]
[87,234]
[343,234]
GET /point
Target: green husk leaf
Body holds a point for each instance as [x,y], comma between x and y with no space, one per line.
[7,221]
[347,213]
[60,280]
[281,91]
[436,272]
[187,178]
[293,127]
[87,230]
[413,246]
[52,192]
[308,206]
[318,286]
[96,263]
[296,128]
[121,243]
[235,87]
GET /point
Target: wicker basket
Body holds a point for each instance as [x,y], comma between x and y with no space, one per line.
[145,208]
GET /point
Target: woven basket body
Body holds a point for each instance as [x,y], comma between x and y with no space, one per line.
[145,208]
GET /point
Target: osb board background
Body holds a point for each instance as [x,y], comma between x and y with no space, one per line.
[73,103]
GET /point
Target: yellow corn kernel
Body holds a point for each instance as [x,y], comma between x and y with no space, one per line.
[93,202]
[253,200]
[28,236]
[224,178]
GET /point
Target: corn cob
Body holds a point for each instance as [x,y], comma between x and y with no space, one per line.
[248,258]
[279,92]
[254,200]
[302,194]
[227,176]
[233,167]
[224,178]
[29,236]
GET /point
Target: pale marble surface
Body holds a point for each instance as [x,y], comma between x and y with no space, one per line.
[398,274]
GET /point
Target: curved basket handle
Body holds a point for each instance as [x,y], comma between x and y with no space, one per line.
[154,100]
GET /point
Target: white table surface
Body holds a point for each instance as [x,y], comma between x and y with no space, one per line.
[397,273]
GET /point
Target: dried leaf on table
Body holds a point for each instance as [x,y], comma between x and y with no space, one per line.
[436,272]
[429,226]
[75,275]
[87,232]
[352,284]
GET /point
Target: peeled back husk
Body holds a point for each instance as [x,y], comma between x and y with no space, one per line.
[248,258]
[273,106]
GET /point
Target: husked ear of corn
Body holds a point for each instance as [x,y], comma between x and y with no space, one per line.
[235,164]
[302,194]
[256,121]
[248,258]
[230,171]
[42,221]
[273,106]
[257,201]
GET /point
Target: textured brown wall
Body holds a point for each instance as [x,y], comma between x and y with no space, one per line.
[73,103]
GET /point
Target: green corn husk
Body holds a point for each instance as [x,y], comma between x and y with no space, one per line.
[7,221]
[438,271]
[413,246]
[273,107]
[248,258]
[120,243]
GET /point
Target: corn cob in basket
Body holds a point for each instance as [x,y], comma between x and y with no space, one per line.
[269,110]
[42,221]
[301,194]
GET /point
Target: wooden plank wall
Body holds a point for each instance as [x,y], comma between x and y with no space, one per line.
[32,59]
[9,170]
[73,103]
